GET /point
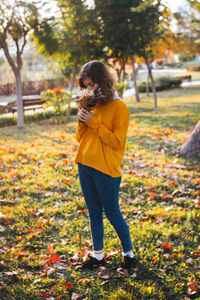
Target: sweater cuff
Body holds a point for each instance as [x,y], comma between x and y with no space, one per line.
[93,123]
[81,124]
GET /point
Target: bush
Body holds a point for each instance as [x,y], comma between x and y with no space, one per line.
[56,98]
[10,121]
[162,83]
[120,87]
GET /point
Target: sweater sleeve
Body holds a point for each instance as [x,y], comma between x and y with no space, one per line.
[81,127]
[115,137]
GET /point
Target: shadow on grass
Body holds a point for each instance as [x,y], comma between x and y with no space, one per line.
[145,277]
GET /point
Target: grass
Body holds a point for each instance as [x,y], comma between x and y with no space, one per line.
[44,225]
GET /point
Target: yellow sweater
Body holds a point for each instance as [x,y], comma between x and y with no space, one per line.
[103,139]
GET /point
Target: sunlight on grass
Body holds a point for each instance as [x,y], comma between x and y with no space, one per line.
[44,225]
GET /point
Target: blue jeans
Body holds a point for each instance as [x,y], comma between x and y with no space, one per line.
[101,191]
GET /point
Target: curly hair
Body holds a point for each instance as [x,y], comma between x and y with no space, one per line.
[100,74]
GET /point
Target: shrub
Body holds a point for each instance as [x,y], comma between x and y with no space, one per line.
[162,83]
[56,98]
[120,87]
[10,121]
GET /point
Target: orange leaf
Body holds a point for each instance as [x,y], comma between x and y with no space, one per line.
[83,211]
[66,161]
[152,195]
[149,187]
[50,250]
[170,183]
[54,259]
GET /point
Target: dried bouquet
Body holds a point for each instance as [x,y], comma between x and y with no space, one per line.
[89,98]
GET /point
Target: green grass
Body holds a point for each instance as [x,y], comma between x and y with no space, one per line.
[45,229]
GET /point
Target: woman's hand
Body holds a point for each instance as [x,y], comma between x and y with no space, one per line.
[84,115]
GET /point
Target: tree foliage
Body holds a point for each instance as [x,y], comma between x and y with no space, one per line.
[187,37]
[71,38]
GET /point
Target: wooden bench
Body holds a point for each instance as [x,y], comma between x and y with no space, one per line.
[31,102]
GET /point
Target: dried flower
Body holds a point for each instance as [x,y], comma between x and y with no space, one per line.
[89,98]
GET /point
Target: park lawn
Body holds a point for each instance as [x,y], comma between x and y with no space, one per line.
[44,225]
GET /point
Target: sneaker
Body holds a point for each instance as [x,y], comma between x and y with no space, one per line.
[127,264]
[91,263]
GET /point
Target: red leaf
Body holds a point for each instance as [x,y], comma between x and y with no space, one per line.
[22,253]
[192,287]
[54,259]
[66,284]
[166,246]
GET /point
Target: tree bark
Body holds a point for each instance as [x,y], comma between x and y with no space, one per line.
[20,109]
[17,72]
[192,146]
[72,83]
[147,84]
[137,97]
[152,83]
[124,71]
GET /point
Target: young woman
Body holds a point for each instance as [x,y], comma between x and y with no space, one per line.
[101,134]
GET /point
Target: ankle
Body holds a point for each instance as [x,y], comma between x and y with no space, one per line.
[98,254]
[129,253]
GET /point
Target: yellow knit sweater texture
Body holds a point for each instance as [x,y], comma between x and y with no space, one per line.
[102,140]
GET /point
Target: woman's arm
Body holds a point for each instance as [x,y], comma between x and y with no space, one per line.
[115,138]
[81,127]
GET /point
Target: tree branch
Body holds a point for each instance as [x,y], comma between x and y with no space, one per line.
[6,52]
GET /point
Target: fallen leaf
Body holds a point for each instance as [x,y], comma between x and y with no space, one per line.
[66,284]
[76,296]
[6,221]
[84,281]
[166,246]
[192,287]
[54,259]
[123,273]
[105,276]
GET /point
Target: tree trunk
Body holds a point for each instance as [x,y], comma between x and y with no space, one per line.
[20,109]
[124,71]
[137,97]
[118,71]
[152,83]
[192,146]
[72,83]
[17,71]
[147,84]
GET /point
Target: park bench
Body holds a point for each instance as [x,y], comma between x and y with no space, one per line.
[31,102]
